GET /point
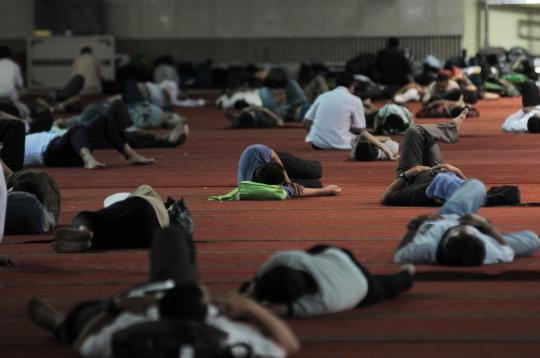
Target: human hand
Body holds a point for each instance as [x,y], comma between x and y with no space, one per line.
[298,189]
[392,157]
[477,221]
[231,304]
[332,190]
[416,170]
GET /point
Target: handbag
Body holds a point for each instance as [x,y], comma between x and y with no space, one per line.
[250,190]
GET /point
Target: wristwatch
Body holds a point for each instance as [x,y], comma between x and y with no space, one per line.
[403,176]
[413,224]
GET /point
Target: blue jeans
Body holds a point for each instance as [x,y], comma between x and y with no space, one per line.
[293,93]
[469,198]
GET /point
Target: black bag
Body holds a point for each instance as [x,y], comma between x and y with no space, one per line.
[179,214]
[503,195]
[168,339]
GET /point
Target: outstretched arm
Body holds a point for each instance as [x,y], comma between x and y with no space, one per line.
[267,111]
[399,183]
[330,190]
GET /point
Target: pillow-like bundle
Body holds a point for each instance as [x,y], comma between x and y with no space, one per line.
[24,214]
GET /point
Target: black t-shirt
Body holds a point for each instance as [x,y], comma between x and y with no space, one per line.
[414,192]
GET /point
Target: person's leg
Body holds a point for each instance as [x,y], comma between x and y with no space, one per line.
[314,88]
[72,88]
[12,135]
[294,93]
[384,287]
[119,112]
[268,101]
[530,96]
[524,243]
[41,122]
[65,151]
[172,256]
[302,171]
[469,198]
[91,111]
[131,93]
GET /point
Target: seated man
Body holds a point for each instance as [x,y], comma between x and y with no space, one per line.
[75,147]
[456,236]
[128,223]
[322,280]
[298,176]
[91,326]
[528,118]
[90,68]
[442,89]
[330,118]
[422,178]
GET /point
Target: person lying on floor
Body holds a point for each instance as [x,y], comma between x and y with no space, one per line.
[75,147]
[165,94]
[528,118]
[299,177]
[322,280]
[442,88]
[128,223]
[456,236]
[367,147]
[423,179]
[173,294]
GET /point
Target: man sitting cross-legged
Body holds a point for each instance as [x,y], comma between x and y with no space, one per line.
[322,280]
[422,177]
[90,327]
[455,235]
[75,147]
[299,177]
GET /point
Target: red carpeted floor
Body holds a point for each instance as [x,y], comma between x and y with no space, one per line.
[490,311]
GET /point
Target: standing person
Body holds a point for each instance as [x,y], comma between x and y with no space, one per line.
[91,69]
[456,236]
[393,66]
[90,327]
[334,115]
[322,280]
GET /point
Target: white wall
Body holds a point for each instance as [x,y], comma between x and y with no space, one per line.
[260,18]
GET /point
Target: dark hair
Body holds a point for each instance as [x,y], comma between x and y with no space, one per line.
[29,187]
[456,111]
[271,173]
[183,302]
[240,104]
[442,77]
[5,52]
[86,49]
[366,152]
[345,79]
[394,121]
[533,125]
[461,250]
[283,284]
[245,119]
[393,42]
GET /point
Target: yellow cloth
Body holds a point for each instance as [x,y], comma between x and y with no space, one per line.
[146,192]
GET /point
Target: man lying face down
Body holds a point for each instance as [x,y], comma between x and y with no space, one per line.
[456,236]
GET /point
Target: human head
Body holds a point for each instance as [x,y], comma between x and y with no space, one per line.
[29,187]
[283,284]
[245,119]
[459,246]
[393,42]
[345,79]
[271,173]
[441,83]
[533,125]
[395,122]
[183,302]
[5,52]
[366,152]
[86,49]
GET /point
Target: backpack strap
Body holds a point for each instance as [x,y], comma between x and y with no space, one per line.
[233,195]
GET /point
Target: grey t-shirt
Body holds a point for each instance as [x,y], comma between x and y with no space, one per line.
[342,286]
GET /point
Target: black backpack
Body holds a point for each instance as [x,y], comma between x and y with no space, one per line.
[503,195]
[171,339]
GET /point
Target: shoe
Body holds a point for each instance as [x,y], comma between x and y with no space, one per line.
[179,214]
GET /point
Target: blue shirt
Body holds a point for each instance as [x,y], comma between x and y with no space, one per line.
[251,159]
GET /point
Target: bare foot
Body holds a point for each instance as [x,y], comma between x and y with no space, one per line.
[410,269]
[92,163]
[42,314]
[70,234]
[66,247]
[459,119]
[137,159]
[178,135]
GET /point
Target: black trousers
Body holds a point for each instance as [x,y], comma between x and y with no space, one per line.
[172,256]
[64,151]
[117,109]
[304,172]
[12,135]
[129,223]
[530,96]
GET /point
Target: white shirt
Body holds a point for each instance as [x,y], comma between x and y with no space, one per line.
[392,146]
[423,248]
[10,79]
[91,69]
[332,115]
[171,87]
[341,283]
[99,345]
[517,122]
[34,147]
